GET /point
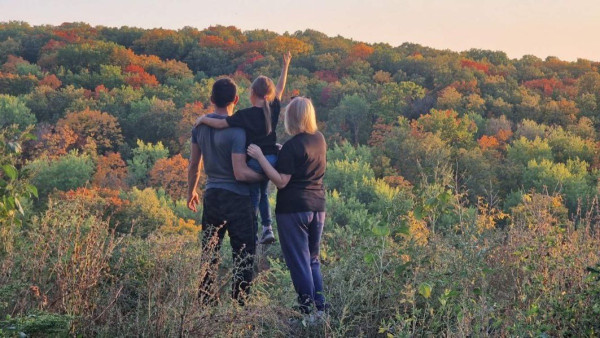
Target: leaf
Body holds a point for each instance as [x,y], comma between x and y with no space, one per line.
[15,147]
[404,229]
[10,171]
[32,190]
[418,213]
[381,230]
[369,258]
[19,207]
[425,290]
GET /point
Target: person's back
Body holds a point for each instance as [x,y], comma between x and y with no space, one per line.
[226,204]
[217,145]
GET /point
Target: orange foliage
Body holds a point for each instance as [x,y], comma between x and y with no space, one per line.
[111,172]
[189,114]
[170,174]
[103,128]
[51,81]
[380,133]
[361,51]
[137,77]
[487,142]
[466,63]
[10,66]
[503,135]
[53,141]
[398,181]
[53,45]
[106,201]
[466,86]
[547,86]
[212,41]
[282,44]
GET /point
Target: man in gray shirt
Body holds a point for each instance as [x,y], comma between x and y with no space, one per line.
[226,202]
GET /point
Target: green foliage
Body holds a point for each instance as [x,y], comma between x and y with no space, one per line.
[144,157]
[65,173]
[352,119]
[396,99]
[145,213]
[14,111]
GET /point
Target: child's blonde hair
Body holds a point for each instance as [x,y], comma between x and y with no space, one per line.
[300,117]
[263,88]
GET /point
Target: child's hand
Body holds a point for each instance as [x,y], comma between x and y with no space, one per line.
[279,146]
[254,151]
[198,121]
[287,57]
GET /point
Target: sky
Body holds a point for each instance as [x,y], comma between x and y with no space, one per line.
[565,29]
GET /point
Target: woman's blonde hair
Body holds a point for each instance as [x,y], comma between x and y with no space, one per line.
[264,88]
[300,117]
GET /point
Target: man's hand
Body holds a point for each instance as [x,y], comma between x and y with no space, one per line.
[193,201]
[198,121]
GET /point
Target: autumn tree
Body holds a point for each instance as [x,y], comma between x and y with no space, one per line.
[111,172]
[169,174]
[101,127]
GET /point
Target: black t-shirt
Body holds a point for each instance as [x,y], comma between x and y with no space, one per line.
[303,157]
[252,120]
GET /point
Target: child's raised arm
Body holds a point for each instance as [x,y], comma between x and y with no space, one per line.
[212,122]
[287,57]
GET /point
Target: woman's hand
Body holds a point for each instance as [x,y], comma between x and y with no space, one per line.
[254,151]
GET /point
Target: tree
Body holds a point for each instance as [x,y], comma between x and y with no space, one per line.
[14,111]
[101,127]
[65,173]
[169,174]
[144,158]
[352,119]
[395,100]
[111,172]
[456,131]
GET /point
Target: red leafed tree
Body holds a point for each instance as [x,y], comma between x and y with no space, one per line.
[103,128]
[361,51]
[547,86]
[488,142]
[170,174]
[137,77]
[466,63]
[52,141]
[51,81]
[111,172]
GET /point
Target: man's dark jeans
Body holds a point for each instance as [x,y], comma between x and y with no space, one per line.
[224,210]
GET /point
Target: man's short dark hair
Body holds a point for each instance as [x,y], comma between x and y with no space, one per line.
[223,92]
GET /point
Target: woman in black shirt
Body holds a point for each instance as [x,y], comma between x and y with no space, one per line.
[300,209]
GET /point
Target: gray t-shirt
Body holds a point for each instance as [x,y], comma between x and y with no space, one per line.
[217,145]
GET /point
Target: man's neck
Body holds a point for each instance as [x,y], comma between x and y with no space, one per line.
[227,111]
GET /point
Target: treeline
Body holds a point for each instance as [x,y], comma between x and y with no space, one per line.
[436,157]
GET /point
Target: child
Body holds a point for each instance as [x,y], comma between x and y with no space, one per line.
[259,122]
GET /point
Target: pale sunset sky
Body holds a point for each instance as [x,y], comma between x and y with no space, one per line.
[566,29]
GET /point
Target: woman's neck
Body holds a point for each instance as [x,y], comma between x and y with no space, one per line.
[259,103]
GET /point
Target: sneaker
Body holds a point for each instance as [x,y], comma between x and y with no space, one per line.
[317,317]
[267,237]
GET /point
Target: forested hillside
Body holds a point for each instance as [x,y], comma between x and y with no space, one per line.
[461,186]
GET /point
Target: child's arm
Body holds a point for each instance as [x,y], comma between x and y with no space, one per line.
[212,122]
[287,57]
